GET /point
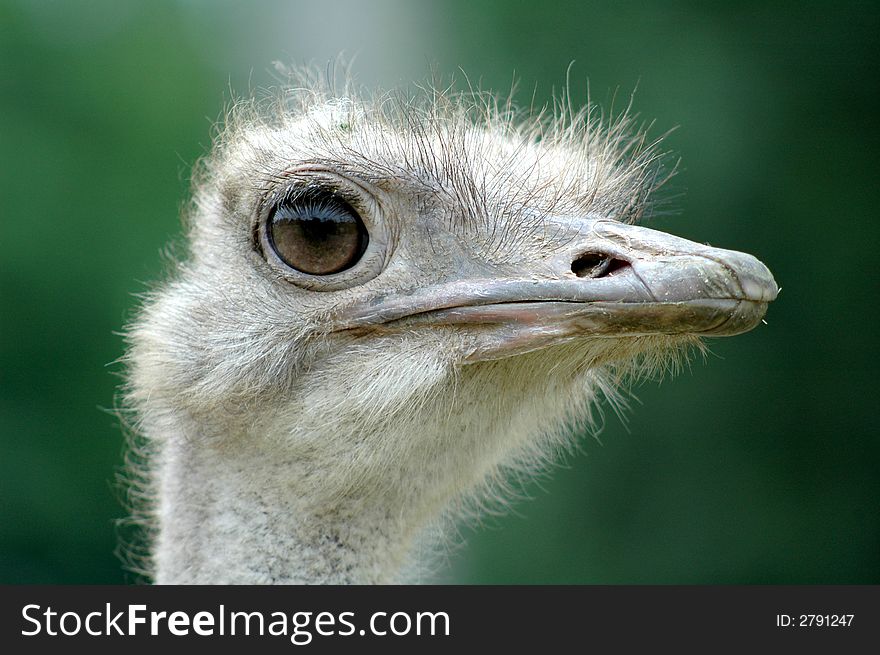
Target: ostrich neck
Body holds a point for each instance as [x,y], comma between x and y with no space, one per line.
[320,493]
[236,512]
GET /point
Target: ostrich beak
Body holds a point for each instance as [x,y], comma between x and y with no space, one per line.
[604,279]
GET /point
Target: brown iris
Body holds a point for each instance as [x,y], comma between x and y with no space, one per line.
[317,233]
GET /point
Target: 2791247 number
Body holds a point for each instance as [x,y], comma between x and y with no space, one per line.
[814,620]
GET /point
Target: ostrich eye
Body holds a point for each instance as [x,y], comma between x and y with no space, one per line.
[317,233]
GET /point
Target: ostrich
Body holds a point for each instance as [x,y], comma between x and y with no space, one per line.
[388,306]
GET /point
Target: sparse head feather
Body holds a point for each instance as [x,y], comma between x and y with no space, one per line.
[481,151]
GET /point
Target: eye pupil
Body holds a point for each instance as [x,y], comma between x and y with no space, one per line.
[317,234]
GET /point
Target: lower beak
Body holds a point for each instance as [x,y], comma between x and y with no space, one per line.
[605,279]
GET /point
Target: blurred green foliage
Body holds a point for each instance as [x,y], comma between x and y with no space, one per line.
[759,466]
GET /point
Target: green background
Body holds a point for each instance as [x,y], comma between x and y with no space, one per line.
[759,465]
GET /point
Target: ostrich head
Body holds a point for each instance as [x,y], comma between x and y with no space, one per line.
[388,304]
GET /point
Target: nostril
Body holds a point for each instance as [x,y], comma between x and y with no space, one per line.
[594,264]
[590,264]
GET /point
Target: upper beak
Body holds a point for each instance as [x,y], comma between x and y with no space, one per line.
[604,279]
